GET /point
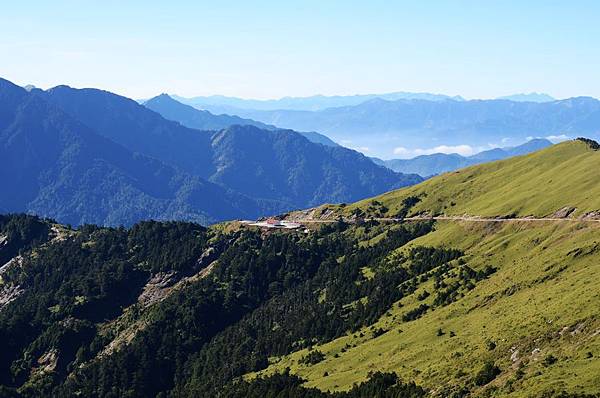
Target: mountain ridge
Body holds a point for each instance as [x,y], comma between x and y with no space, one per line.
[191,117]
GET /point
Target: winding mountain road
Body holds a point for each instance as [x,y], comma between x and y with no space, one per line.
[451,218]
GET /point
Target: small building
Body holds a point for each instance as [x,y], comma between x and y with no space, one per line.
[273,222]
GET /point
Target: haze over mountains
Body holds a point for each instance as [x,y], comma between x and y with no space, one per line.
[204,120]
[223,104]
[378,126]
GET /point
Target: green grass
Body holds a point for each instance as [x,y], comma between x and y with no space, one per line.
[536,184]
[538,290]
[543,300]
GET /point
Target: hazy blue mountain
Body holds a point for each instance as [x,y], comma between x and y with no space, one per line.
[531,97]
[136,127]
[427,165]
[383,125]
[241,171]
[194,118]
[55,166]
[437,163]
[191,117]
[285,166]
[502,153]
[222,104]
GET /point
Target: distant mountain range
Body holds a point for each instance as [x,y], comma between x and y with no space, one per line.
[90,156]
[223,104]
[382,125]
[232,105]
[194,118]
[530,97]
[429,165]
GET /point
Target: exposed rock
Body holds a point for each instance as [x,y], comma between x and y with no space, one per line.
[157,288]
[578,329]
[207,257]
[60,233]
[8,294]
[564,212]
[3,240]
[563,331]
[515,355]
[15,261]
[592,215]
[48,361]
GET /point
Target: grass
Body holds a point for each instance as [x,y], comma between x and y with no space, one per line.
[541,287]
[542,303]
[539,184]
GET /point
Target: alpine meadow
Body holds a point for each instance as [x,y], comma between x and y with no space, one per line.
[300,199]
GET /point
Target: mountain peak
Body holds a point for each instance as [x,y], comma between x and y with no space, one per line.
[528,97]
[162,98]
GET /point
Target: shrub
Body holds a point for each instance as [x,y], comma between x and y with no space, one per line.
[549,360]
[312,358]
[488,372]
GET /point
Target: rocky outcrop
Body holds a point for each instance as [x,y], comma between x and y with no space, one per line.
[13,262]
[157,288]
[564,212]
[8,294]
[592,215]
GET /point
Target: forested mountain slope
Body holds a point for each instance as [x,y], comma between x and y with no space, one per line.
[279,170]
[54,165]
[283,165]
[436,308]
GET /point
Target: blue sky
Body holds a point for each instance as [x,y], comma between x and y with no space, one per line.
[268,49]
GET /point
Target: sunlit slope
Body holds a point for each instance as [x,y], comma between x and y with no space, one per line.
[539,184]
[542,302]
[536,318]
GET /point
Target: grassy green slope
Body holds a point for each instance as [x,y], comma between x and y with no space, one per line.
[544,297]
[537,184]
[541,309]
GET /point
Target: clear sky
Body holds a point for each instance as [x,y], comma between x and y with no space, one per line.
[268,49]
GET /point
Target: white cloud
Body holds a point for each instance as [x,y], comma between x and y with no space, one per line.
[553,138]
[362,149]
[401,151]
[464,150]
[558,138]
